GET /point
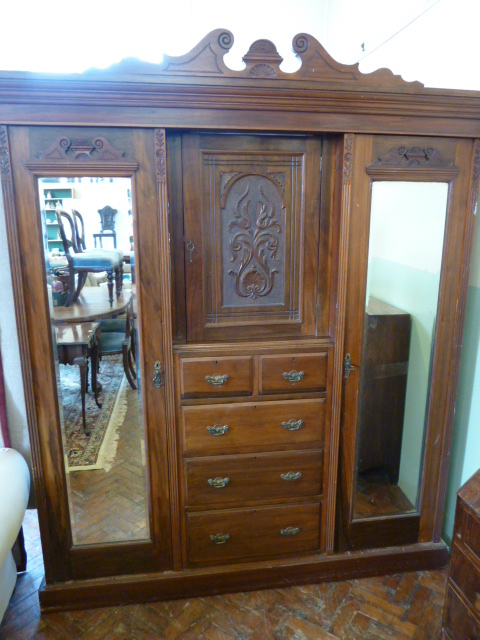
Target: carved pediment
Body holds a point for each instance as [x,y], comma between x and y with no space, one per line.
[262,61]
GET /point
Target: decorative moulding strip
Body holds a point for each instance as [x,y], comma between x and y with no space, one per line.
[337,386]
[92,168]
[164,252]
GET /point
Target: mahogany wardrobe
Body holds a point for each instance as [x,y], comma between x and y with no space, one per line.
[297,248]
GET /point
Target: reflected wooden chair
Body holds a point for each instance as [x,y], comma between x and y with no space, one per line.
[82,246]
[118,336]
[82,262]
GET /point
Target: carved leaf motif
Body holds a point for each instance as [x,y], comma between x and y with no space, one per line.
[160,154]
[348,158]
[4,153]
[254,278]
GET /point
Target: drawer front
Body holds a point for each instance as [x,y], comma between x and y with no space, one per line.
[458,620]
[226,428]
[240,534]
[213,377]
[466,576]
[472,535]
[233,480]
[296,373]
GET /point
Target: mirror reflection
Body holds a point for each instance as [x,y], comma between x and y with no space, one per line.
[403,277]
[90,254]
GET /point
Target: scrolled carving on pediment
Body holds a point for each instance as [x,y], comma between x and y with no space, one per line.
[262,62]
[413,158]
[81,149]
[319,65]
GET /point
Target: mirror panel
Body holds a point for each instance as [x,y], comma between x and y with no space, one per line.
[406,238]
[95,336]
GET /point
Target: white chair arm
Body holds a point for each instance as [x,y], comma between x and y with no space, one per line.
[14,493]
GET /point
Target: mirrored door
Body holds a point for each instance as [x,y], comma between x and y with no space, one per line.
[406,215]
[90,219]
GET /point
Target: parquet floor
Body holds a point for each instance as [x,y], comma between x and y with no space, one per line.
[391,608]
[111,506]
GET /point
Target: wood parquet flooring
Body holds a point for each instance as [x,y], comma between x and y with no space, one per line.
[111,506]
[394,607]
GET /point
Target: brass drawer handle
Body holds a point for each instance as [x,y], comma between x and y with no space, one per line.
[218,430]
[217,380]
[290,531]
[220,538]
[291,475]
[218,483]
[293,376]
[292,425]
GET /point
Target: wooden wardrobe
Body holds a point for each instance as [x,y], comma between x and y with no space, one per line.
[297,411]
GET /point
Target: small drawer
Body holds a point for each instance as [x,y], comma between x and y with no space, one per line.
[295,373]
[458,620]
[227,428]
[241,534]
[472,535]
[466,576]
[212,377]
[232,480]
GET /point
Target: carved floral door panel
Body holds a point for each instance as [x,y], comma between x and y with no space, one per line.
[251,226]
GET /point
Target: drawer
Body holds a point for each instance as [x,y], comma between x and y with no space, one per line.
[472,535]
[466,576]
[226,428]
[232,480]
[458,620]
[295,373]
[213,377]
[240,534]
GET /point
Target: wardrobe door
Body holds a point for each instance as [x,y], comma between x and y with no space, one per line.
[99,415]
[408,222]
[251,207]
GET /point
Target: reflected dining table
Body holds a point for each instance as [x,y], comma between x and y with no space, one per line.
[77,333]
[92,305]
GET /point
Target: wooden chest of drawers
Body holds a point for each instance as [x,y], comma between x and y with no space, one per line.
[462,607]
[252,431]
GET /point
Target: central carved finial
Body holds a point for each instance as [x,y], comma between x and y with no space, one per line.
[262,59]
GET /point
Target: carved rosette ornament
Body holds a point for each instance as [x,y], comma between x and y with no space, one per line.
[254,278]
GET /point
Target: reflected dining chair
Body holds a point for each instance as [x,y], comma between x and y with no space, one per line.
[117,335]
[81,262]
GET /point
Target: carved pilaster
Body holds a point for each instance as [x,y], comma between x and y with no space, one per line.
[161,155]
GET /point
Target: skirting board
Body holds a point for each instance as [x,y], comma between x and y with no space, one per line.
[170,585]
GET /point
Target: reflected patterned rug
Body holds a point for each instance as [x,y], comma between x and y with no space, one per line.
[96,451]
